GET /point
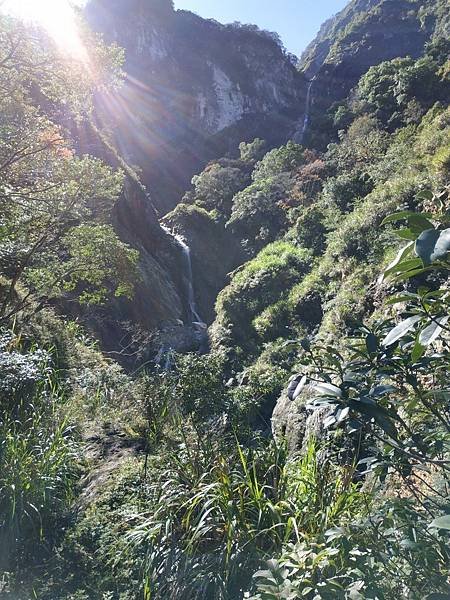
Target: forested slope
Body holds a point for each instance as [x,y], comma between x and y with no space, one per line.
[305,452]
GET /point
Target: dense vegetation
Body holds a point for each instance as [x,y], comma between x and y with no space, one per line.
[174,483]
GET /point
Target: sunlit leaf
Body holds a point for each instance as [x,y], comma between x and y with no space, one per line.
[433,245]
[400,330]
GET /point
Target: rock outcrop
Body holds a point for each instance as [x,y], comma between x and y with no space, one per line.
[194,90]
[364,34]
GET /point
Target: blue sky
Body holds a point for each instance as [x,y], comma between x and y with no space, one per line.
[297,21]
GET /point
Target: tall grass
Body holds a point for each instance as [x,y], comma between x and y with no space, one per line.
[220,510]
[37,459]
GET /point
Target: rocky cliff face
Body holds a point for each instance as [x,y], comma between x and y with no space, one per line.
[366,33]
[194,90]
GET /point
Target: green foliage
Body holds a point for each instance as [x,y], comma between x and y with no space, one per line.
[390,89]
[222,509]
[257,285]
[181,498]
[362,145]
[347,189]
[388,554]
[198,386]
[377,387]
[258,216]
[46,190]
[310,230]
[278,161]
[216,186]
[37,454]
[95,257]
[252,151]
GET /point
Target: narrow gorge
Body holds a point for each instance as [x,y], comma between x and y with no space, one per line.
[224,301]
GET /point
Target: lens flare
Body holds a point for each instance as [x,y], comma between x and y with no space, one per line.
[57,17]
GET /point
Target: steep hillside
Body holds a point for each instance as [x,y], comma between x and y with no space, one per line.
[366,33]
[186,101]
[194,90]
[249,397]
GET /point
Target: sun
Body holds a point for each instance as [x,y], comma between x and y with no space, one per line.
[57,17]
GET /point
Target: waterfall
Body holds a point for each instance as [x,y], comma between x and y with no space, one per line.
[194,316]
[301,134]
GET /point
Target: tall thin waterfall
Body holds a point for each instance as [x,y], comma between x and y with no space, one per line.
[195,318]
[301,134]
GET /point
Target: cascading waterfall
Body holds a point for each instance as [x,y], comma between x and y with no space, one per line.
[165,356]
[195,318]
[301,134]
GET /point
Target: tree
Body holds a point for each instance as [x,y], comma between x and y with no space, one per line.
[47,192]
[280,160]
[258,215]
[252,151]
[387,89]
[216,186]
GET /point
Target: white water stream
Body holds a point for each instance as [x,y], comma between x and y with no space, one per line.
[195,318]
[300,134]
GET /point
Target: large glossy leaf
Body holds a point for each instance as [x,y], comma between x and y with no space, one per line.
[404,214]
[371,343]
[441,523]
[433,331]
[328,389]
[406,265]
[406,234]
[433,245]
[298,390]
[367,406]
[402,253]
[413,273]
[400,330]
[381,390]
[418,223]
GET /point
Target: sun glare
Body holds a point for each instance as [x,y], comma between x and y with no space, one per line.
[57,17]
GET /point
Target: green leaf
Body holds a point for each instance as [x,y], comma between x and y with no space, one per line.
[406,234]
[418,223]
[411,274]
[381,390]
[404,214]
[417,351]
[367,406]
[371,343]
[300,386]
[407,265]
[433,331]
[400,330]
[402,253]
[398,299]
[328,389]
[441,523]
[425,195]
[432,245]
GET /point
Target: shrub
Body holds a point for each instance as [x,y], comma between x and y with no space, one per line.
[256,286]
[280,160]
[37,456]
[216,186]
[257,215]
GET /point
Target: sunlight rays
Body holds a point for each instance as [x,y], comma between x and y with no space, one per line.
[57,17]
